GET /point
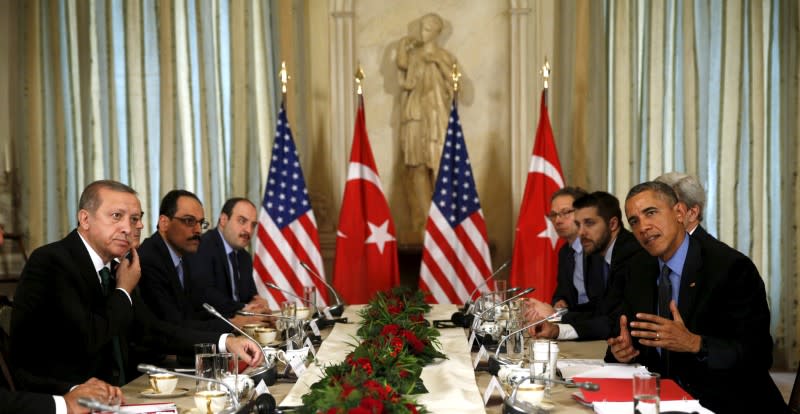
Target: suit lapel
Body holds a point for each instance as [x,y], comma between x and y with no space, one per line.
[84,265]
[689,279]
[223,258]
[165,256]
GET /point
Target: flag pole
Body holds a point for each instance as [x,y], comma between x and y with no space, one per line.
[359,76]
[456,75]
[284,77]
[545,71]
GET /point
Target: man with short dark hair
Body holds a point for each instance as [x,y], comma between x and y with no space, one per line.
[168,285]
[222,265]
[94,313]
[698,314]
[608,247]
[571,283]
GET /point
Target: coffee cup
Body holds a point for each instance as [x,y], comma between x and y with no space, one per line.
[530,392]
[265,335]
[242,384]
[163,383]
[211,401]
[250,328]
[273,355]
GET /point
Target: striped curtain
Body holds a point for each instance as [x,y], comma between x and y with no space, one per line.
[156,94]
[706,87]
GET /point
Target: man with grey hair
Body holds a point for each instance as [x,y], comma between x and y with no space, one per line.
[691,193]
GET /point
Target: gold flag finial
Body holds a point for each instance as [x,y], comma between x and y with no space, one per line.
[545,71]
[284,75]
[456,76]
[359,79]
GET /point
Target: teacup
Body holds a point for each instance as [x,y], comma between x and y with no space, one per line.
[530,392]
[302,312]
[250,328]
[265,335]
[211,402]
[273,355]
[241,383]
[163,383]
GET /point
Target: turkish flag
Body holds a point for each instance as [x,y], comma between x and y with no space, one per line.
[366,248]
[535,258]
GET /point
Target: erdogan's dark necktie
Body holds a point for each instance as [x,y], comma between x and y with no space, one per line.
[107,281]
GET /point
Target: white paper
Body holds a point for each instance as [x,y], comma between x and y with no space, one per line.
[482,354]
[157,408]
[262,388]
[310,346]
[687,406]
[297,366]
[597,369]
[494,384]
[314,327]
[471,340]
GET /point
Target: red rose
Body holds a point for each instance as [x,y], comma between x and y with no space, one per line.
[331,411]
[412,340]
[347,389]
[390,329]
[404,374]
[373,405]
[359,410]
[412,408]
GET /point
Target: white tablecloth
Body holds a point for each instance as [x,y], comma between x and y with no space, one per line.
[451,383]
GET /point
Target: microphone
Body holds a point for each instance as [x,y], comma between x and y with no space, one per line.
[152,369]
[492,276]
[517,296]
[263,404]
[95,405]
[288,292]
[268,379]
[325,282]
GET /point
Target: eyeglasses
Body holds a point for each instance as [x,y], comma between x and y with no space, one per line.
[190,221]
[563,213]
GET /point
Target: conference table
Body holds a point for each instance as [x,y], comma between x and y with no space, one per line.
[454,387]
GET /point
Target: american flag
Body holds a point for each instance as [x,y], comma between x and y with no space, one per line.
[455,257]
[287,230]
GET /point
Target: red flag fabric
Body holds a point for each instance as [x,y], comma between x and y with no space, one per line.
[366,248]
[287,230]
[535,257]
[455,255]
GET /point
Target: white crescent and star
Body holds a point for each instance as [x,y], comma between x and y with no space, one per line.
[543,166]
[378,235]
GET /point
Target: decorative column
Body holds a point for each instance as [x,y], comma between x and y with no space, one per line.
[342,56]
[521,141]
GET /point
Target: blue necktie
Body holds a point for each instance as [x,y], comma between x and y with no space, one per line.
[179,269]
[232,256]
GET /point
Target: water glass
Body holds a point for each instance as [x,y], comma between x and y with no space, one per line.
[540,363]
[500,287]
[205,366]
[515,343]
[310,297]
[646,392]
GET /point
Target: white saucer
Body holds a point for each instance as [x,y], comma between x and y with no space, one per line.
[177,392]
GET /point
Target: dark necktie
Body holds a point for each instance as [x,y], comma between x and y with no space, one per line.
[105,278]
[606,272]
[179,270]
[233,257]
[664,297]
[664,293]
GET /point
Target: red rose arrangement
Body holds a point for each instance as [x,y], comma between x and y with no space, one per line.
[381,372]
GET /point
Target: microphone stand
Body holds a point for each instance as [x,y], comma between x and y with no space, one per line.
[269,379]
[468,304]
[517,296]
[325,282]
[152,369]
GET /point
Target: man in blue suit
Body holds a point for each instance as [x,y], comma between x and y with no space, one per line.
[222,266]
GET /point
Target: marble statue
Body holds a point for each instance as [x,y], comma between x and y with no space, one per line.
[427,93]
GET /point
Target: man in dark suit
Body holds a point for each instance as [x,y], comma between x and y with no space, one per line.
[699,314]
[168,286]
[222,267]
[609,248]
[74,320]
[32,402]
[571,284]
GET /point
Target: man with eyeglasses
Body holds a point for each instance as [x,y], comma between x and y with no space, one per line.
[222,265]
[168,285]
[571,287]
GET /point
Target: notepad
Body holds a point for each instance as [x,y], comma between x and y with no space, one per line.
[157,408]
[621,390]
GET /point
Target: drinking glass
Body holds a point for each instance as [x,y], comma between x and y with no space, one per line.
[500,287]
[226,365]
[515,343]
[540,361]
[646,392]
[310,298]
[205,366]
